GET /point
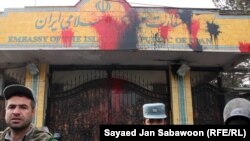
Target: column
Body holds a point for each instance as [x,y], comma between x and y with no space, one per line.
[37,82]
[181,99]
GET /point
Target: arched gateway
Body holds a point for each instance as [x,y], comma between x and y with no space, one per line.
[77,113]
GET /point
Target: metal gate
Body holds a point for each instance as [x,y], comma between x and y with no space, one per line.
[77,111]
[208,103]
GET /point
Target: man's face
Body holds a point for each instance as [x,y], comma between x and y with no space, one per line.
[19,113]
[154,122]
[238,120]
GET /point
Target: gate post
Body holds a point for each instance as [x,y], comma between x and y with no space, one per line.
[37,82]
[181,98]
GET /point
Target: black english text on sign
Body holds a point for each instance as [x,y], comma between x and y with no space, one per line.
[163,132]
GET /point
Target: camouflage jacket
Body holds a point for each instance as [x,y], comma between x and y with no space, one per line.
[35,135]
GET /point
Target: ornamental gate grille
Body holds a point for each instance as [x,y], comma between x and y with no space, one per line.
[85,100]
[208,104]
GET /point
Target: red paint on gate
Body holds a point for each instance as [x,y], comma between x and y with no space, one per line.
[116,94]
[244,47]
[67,37]
[116,86]
[109,31]
[195,27]
[164,31]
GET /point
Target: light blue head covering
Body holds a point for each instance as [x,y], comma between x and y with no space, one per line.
[154,111]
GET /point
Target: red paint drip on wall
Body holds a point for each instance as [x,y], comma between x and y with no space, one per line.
[244,47]
[164,31]
[173,12]
[125,4]
[109,31]
[67,37]
[116,94]
[195,27]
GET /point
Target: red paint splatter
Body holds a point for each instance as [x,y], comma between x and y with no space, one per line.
[195,27]
[116,94]
[173,12]
[244,47]
[109,31]
[126,5]
[116,86]
[164,31]
[67,36]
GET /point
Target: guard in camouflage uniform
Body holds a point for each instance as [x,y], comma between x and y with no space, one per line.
[20,108]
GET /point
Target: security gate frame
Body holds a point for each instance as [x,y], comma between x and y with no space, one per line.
[77,107]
